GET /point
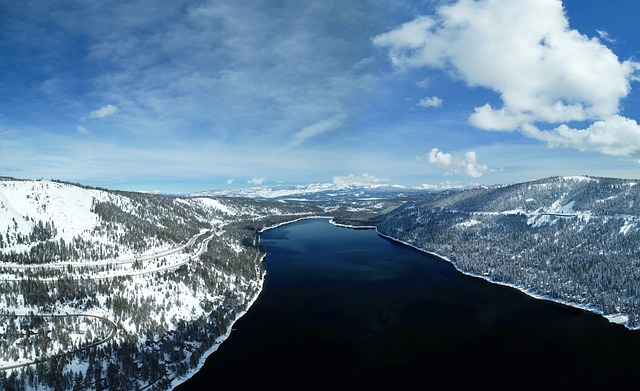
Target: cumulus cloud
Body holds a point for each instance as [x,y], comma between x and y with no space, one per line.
[433,101]
[617,136]
[544,71]
[83,130]
[466,164]
[357,180]
[104,111]
[257,180]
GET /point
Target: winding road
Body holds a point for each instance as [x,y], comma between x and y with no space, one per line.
[114,328]
[19,364]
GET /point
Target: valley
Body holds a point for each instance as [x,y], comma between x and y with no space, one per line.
[103,289]
[108,289]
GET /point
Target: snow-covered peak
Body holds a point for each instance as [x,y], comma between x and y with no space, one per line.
[316,191]
[23,203]
[35,214]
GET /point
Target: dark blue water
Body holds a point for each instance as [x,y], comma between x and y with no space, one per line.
[347,309]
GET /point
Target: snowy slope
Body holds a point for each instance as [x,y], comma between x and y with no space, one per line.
[24,203]
[121,268]
[570,239]
[71,210]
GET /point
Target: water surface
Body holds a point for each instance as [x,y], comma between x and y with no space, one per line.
[347,309]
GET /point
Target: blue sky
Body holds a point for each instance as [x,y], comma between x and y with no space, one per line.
[197,95]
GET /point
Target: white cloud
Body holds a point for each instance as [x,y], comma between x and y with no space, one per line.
[544,71]
[433,101]
[257,180]
[315,129]
[440,158]
[466,164]
[424,83]
[103,112]
[357,180]
[229,181]
[487,118]
[441,186]
[605,36]
[615,136]
[250,65]
[83,130]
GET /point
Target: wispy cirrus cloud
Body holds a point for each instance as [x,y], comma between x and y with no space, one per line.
[243,77]
[234,67]
[103,112]
[315,129]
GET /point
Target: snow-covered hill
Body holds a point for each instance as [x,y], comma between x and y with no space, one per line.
[24,204]
[570,239]
[84,268]
[40,212]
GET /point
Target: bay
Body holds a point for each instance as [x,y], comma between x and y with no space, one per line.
[348,309]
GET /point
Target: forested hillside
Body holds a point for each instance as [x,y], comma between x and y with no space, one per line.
[116,290]
[571,239]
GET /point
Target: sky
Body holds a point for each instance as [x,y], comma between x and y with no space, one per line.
[184,96]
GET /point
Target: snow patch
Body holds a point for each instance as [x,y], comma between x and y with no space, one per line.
[617,318]
[24,203]
[558,208]
[579,178]
[628,225]
[466,224]
[211,203]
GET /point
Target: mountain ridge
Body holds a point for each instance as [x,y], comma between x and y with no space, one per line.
[167,271]
[317,192]
[569,239]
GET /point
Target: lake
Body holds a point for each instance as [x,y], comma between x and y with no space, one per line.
[347,309]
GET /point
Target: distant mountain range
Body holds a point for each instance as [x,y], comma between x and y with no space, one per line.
[319,192]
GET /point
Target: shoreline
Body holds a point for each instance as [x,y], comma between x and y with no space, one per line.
[293,221]
[620,319]
[219,340]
